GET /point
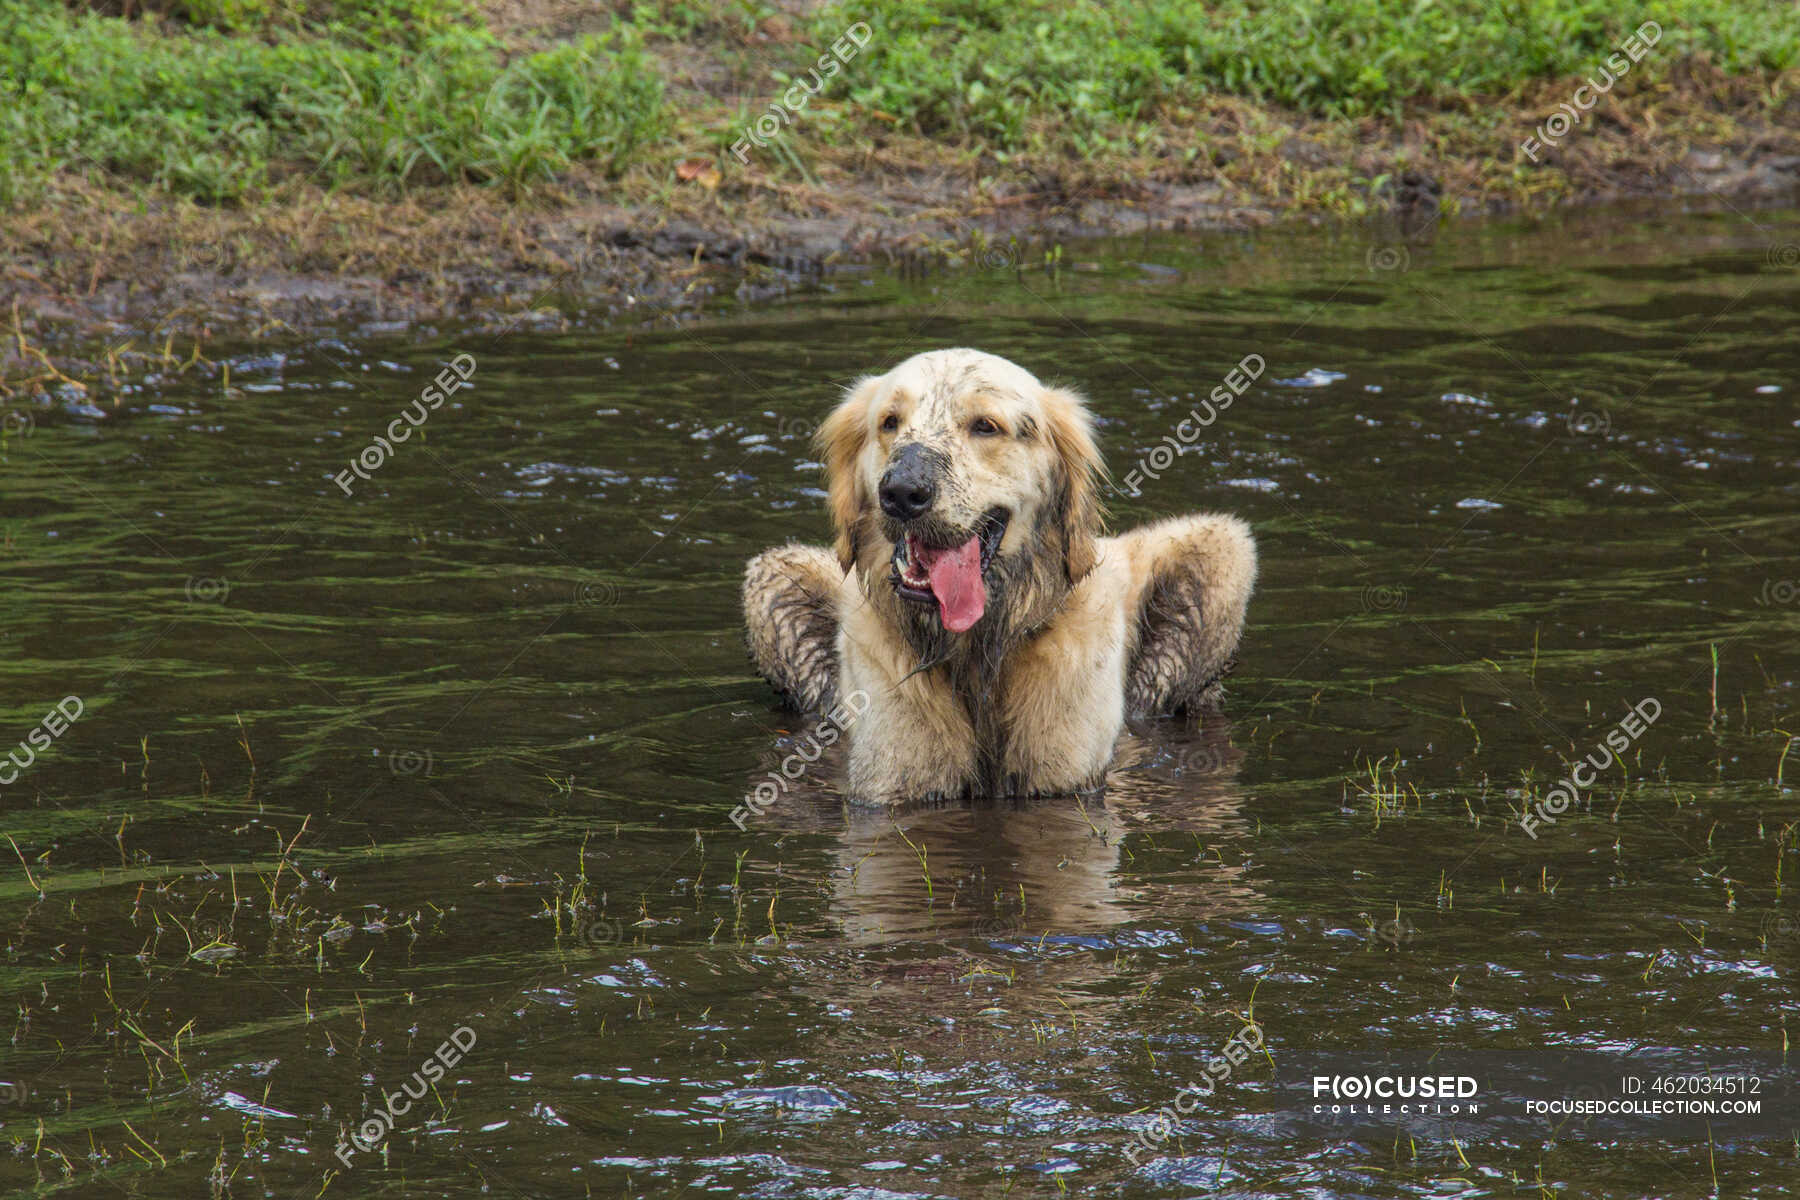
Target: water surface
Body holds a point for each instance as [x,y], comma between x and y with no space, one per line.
[455,754]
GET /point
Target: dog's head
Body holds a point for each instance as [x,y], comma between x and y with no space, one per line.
[964,477]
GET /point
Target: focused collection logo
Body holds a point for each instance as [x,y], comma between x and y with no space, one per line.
[1377,1094]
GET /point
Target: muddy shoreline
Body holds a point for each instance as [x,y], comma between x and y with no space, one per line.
[364,267]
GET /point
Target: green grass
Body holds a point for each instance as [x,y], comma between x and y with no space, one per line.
[376,20]
[198,112]
[1042,74]
[221,100]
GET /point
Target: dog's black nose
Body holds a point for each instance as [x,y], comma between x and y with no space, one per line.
[909,484]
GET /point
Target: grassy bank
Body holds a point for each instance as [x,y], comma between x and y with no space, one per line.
[1092,80]
[223,100]
[465,141]
[375,101]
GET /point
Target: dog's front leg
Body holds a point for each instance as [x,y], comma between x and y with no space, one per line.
[914,740]
[1194,578]
[790,622]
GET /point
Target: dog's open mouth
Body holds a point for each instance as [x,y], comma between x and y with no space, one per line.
[950,576]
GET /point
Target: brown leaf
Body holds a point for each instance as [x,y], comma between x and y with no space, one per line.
[698,170]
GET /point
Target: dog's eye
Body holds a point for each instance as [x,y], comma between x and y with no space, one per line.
[890,423]
[982,427]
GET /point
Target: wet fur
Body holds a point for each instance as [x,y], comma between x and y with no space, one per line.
[1080,630]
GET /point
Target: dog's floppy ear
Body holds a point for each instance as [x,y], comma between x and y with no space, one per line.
[840,441]
[1082,474]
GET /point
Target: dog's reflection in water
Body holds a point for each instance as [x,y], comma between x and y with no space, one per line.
[983,944]
[1023,870]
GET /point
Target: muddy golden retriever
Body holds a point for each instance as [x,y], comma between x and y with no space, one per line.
[995,641]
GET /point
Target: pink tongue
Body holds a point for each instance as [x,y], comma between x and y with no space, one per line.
[956,582]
